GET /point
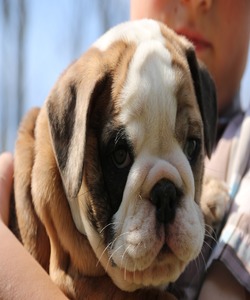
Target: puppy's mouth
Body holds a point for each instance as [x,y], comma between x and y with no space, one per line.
[165,268]
[146,253]
[148,262]
[164,250]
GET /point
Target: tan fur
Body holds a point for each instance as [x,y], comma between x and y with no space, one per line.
[46,188]
[73,265]
[59,247]
[31,230]
[188,110]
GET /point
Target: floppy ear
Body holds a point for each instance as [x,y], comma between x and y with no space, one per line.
[206,96]
[68,107]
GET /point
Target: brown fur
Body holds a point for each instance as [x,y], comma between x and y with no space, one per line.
[73,265]
[45,222]
[30,229]
[57,161]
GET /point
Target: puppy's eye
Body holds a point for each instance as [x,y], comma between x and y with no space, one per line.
[192,149]
[121,157]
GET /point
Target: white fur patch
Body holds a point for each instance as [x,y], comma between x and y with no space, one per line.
[130,32]
[148,112]
[148,108]
[149,95]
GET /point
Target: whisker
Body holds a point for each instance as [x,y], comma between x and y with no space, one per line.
[211,237]
[112,223]
[210,228]
[124,254]
[135,261]
[208,245]
[202,256]
[110,245]
[196,264]
[112,256]
[120,235]
[106,248]
[125,269]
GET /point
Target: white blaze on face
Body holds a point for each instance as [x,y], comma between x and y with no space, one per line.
[131,32]
[149,93]
[148,112]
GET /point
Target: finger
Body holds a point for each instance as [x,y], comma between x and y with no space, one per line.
[6,181]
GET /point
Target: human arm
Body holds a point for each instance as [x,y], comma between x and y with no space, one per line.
[230,269]
[220,284]
[21,277]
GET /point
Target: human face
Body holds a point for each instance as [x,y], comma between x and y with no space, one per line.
[219,29]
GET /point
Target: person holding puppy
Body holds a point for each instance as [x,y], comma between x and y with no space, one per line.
[209,25]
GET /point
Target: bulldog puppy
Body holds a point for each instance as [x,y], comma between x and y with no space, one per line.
[108,173]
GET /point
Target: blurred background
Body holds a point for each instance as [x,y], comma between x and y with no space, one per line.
[38,40]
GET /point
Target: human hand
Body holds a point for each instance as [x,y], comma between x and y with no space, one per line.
[21,277]
[6,182]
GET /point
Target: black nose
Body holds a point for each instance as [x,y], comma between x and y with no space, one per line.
[165,196]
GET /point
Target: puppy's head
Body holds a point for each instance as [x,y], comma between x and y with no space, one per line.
[131,122]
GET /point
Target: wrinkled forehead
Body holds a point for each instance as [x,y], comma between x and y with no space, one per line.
[150,87]
[157,90]
[154,75]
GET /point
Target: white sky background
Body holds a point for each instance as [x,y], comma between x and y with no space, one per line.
[57,32]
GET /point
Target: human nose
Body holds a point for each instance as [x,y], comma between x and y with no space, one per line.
[198,4]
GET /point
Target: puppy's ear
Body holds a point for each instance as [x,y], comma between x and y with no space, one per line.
[206,97]
[68,108]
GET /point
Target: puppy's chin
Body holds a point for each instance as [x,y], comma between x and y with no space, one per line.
[164,269]
[145,253]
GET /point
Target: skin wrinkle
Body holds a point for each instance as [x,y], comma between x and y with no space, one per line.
[139,126]
[114,121]
[116,221]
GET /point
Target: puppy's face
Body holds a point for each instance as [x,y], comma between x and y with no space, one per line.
[132,158]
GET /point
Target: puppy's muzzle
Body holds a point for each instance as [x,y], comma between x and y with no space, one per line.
[166,198]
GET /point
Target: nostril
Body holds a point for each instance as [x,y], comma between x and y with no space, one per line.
[165,197]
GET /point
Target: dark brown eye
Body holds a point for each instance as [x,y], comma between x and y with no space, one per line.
[121,157]
[192,149]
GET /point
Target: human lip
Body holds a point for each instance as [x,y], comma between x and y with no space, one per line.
[199,42]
